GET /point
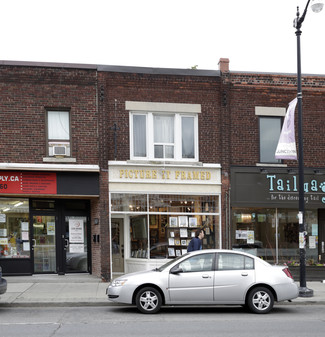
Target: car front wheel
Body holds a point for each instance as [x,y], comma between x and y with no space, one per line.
[148,300]
[260,300]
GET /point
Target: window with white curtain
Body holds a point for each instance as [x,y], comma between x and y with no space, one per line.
[171,136]
[58,125]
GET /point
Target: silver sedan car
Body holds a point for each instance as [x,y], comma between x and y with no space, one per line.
[207,277]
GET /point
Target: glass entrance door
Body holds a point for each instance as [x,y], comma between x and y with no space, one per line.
[44,243]
[117,246]
[76,257]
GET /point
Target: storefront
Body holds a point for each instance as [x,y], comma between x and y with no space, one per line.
[155,210]
[45,220]
[264,206]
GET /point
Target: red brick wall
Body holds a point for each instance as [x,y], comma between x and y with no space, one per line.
[121,87]
[251,90]
[26,92]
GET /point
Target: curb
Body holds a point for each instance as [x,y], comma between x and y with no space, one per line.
[112,304]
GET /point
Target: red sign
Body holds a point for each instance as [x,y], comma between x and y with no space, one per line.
[27,182]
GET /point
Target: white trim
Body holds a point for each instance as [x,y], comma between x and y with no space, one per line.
[49,167]
[159,164]
[269,111]
[177,136]
[163,107]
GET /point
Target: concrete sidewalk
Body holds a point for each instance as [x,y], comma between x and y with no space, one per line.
[86,290]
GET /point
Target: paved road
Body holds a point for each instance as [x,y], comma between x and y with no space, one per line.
[292,320]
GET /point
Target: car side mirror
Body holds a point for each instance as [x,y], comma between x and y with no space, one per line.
[176,270]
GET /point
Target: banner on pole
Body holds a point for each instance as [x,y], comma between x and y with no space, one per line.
[286,148]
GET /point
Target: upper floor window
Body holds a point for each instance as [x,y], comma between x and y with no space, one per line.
[58,133]
[58,124]
[270,122]
[270,129]
[165,134]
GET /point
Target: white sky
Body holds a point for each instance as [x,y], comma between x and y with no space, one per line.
[256,35]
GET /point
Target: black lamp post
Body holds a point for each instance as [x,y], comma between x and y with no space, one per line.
[316,6]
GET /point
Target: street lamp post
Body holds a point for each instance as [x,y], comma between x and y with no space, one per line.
[316,6]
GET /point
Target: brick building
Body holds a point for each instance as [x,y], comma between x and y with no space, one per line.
[264,190]
[112,169]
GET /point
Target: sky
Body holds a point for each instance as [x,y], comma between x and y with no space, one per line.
[255,35]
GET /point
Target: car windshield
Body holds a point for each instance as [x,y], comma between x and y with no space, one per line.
[164,266]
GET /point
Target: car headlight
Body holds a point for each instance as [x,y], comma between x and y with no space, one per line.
[118,283]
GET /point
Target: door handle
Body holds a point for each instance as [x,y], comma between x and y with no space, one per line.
[244,274]
[206,276]
[66,244]
[34,244]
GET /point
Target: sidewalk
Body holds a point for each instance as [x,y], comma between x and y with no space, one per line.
[87,290]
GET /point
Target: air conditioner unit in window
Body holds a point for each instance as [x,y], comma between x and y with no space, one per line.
[59,150]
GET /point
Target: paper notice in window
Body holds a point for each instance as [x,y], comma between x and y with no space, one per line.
[312,242]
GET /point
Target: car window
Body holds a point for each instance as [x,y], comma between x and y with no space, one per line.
[202,262]
[234,262]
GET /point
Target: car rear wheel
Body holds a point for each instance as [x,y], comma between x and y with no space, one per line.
[148,300]
[260,300]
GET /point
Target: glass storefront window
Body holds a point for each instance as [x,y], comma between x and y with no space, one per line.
[171,234]
[273,234]
[183,203]
[128,202]
[168,222]
[139,237]
[14,228]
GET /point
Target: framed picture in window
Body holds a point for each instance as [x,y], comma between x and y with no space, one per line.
[183,233]
[171,241]
[178,252]
[171,252]
[192,222]
[182,221]
[184,242]
[173,221]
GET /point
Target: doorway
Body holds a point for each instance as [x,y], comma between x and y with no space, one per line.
[60,234]
[117,232]
[321,233]
[44,243]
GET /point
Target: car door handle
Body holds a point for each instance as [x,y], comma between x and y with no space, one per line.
[244,274]
[206,276]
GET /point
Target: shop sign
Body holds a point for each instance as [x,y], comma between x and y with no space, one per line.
[286,189]
[27,182]
[165,174]
[276,189]
[172,175]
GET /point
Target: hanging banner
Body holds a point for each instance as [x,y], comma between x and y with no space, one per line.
[286,148]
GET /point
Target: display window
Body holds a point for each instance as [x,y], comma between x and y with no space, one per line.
[14,228]
[273,234]
[169,223]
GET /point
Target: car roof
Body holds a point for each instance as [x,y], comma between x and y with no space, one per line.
[205,251]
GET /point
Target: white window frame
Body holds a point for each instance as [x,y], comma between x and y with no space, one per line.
[178,110]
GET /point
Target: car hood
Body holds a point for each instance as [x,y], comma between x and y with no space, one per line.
[144,273]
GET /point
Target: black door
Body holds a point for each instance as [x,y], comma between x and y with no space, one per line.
[76,223]
[60,236]
[321,235]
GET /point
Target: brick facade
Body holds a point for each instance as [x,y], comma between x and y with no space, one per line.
[96,96]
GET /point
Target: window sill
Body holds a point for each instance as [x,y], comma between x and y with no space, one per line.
[59,160]
[271,165]
[164,162]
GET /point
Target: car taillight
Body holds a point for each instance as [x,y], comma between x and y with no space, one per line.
[287,272]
